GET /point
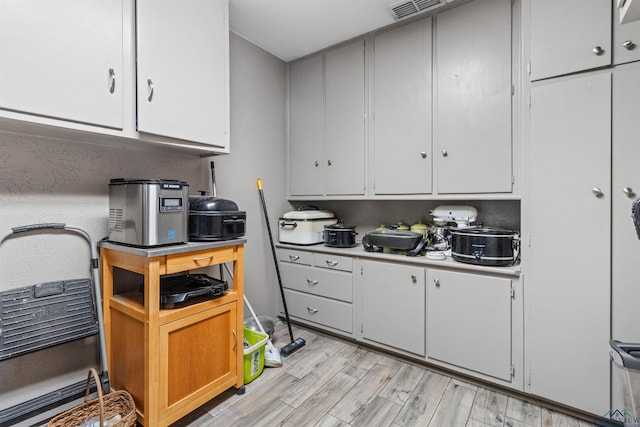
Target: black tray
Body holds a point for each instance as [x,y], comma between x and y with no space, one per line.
[178,291]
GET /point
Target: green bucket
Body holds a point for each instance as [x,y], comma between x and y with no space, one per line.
[254,354]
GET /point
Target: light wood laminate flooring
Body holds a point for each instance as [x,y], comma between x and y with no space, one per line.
[331,382]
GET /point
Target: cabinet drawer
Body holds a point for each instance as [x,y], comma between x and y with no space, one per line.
[334,262]
[327,312]
[198,259]
[297,257]
[317,281]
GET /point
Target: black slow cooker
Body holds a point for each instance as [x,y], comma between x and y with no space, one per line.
[340,235]
[485,246]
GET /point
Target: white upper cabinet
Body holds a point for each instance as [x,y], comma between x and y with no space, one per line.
[344,129]
[473,98]
[626,39]
[63,59]
[182,70]
[306,131]
[402,99]
[569,36]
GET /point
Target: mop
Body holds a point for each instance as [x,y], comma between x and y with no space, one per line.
[272,358]
[295,344]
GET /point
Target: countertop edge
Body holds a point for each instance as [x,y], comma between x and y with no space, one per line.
[150,252]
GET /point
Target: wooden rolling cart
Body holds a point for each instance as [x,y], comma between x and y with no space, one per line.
[171,361]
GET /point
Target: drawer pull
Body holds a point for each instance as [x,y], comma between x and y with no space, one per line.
[312,282]
[331,263]
[294,258]
[203,258]
[312,310]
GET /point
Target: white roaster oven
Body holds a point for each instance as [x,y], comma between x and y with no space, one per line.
[304,226]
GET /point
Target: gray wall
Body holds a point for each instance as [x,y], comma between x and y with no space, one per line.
[52,180]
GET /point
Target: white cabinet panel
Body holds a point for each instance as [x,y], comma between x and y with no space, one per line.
[626,39]
[402,110]
[569,36]
[392,305]
[323,311]
[306,127]
[473,98]
[568,285]
[63,60]
[469,321]
[319,281]
[183,62]
[345,119]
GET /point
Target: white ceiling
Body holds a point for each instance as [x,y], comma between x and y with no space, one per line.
[290,29]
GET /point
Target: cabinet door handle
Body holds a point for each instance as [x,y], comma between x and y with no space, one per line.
[423,154]
[444,153]
[629,45]
[628,191]
[294,258]
[312,310]
[329,162]
[235,339]
[597,192]
[150,84]
[112,77]
[598,50]
[316,163]
[312,282]
[331,263]
[437,282]
[203,258]
[414,279]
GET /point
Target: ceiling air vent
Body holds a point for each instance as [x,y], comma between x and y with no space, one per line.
[411,7]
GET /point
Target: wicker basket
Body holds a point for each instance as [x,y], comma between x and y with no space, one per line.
[104,407]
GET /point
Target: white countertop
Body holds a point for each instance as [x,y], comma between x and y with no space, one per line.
[449,263]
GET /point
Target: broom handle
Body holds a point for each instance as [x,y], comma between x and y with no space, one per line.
[275,258]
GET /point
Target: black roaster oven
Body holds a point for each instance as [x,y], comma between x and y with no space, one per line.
[213,218]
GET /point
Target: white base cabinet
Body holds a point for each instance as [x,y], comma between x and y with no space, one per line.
[319,289]
[469,321]
[392,305]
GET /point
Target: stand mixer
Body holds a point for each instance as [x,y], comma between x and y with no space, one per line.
[444,215]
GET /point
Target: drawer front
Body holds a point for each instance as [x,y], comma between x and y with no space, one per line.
[318,281]
[296,257]
[198,259]
[324,311]
[334,262]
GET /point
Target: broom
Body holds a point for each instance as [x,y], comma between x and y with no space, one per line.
[295,344]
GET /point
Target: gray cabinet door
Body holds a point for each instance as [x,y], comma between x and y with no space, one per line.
[469,321]
[473,98]
[63,60]
[626,188]
[568,292]
[626,39]
[345,120]
[569,36]
[402,110]
[183,74]
[392,305]
[306,117]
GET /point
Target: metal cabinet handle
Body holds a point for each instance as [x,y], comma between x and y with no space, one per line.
[628,191]
[444,153]
[312,282]
[294,258]
[628,44]
[112,77]
[598,50]
[150,83]
[316,163]
[203,258]
[329,162]
[235,339]
[414,279]
[437,282]
[312,310]
[423,154]
[597,192]
[331,263]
